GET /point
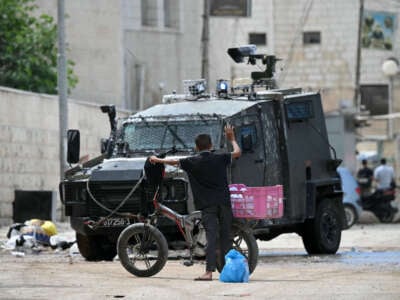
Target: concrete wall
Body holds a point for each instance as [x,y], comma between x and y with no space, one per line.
[329,66]
[342,138]
[116,55]
[226,32]
[166,55]
[29,142]
[109,45]
[94,40]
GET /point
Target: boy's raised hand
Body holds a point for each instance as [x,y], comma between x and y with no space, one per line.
[153,159]
[229,132]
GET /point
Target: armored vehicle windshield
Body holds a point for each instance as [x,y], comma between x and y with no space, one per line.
[165,126]
[169,134]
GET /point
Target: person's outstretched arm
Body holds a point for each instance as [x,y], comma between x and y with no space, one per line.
[154,159]
[230,135]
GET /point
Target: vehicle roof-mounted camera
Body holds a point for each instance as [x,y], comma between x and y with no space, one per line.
[238,54]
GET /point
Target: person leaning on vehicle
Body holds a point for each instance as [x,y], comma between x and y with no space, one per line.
[384,176]
[207,172]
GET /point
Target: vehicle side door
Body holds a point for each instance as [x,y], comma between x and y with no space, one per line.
[249,169]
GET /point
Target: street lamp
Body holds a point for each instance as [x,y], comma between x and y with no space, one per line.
[390,68]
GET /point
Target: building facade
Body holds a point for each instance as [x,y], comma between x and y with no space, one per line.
[318,43]
[130,52]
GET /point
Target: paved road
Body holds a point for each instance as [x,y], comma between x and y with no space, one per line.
[367,266]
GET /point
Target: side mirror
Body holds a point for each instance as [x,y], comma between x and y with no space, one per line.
[73,146]
[332,164]
[247,143]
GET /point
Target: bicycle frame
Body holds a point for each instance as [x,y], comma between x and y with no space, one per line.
[136,241]
[183,222]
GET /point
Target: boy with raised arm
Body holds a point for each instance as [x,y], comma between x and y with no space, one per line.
[207,172]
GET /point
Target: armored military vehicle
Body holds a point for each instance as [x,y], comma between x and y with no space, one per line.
[283,138]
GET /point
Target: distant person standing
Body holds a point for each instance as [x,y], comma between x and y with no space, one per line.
[384,176]
[364,177]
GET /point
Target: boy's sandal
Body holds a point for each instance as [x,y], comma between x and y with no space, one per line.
[202,279]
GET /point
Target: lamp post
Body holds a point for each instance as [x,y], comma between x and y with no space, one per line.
[390,67]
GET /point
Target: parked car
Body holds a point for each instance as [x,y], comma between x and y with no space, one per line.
[351,197]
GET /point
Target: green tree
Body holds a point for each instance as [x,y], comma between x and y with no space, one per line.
[28,49]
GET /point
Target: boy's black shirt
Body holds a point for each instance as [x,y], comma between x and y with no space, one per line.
[208,178]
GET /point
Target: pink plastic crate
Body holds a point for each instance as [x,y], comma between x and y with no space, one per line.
[256,202]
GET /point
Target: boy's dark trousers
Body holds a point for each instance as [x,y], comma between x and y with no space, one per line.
[217,221]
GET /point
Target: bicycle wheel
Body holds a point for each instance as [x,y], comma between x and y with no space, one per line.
[244,242]
[142,250]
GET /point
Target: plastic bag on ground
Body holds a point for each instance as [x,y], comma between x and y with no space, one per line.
[30,235]
[60,242]
[236,268]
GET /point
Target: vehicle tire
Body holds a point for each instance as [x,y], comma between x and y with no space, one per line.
[142,250]
[244,242]
[322,234]
[386,216]
[350,215]
[95,248]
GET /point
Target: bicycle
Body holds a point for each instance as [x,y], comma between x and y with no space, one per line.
[143,249]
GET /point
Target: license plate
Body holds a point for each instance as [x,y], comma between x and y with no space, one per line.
[115,222]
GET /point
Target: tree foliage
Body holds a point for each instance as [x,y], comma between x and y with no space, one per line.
[28,49]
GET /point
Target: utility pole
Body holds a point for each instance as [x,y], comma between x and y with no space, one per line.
[205,38]
[62,90]
[357,98]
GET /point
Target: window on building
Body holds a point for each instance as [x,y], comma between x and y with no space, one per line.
[258,38]
[171,13]
[149,13]
[311,37]
[374,98]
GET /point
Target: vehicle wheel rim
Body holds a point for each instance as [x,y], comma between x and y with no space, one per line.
[349,214]
[330,228]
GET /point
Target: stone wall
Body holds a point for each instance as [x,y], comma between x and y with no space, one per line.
[29,142]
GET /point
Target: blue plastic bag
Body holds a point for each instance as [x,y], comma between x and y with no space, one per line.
[236,268]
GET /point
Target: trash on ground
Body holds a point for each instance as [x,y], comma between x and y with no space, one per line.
[34,235]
